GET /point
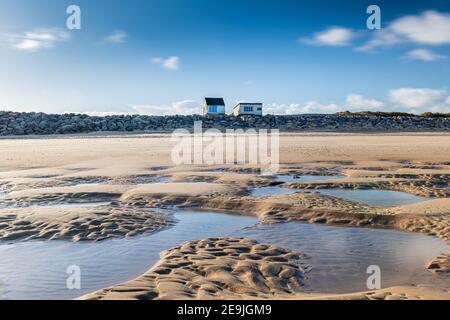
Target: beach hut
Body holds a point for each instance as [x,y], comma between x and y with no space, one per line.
[213,106]
[246,108]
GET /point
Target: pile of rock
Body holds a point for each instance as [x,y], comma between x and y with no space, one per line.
[15,123]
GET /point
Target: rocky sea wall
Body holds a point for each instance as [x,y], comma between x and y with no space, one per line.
[14,123]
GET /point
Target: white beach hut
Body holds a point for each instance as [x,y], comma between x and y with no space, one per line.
[246,108]
[213,106]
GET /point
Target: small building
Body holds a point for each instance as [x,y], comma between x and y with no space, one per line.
[245,108]
[212,106]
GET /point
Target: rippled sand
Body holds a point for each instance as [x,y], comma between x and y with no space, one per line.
[38,174]
[238,268]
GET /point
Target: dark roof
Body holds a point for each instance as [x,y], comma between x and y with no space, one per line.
[214,102]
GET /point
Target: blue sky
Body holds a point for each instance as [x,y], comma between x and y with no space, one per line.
[163,57]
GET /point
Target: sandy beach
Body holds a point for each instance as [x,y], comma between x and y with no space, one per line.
[102,187]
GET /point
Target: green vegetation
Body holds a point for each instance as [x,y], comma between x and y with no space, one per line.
[394,114]
[376,114]
[435,115]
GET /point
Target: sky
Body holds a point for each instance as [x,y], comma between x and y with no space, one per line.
[164,56]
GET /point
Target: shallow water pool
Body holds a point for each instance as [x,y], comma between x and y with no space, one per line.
[271,191]
[375,198]
[37,270]
[339,256]
[371,197]
[306,178]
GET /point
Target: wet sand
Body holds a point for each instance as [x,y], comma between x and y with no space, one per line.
[126,170]
[217,268]
[237,268]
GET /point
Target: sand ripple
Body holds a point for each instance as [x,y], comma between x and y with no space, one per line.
[216,268]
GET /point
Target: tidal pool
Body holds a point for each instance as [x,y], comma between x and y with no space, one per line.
[37,270]
[375,198]
[306,178]
[271,191]
[339,256]
[274,190]
[371,197]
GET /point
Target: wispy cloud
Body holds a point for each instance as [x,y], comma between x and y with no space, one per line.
[333,36]
[298,108]
[414,100]
[420,98]
[117,37]
[183,107]
[428,28]
[37,39]
[423,55]
[356,101]
[170,63]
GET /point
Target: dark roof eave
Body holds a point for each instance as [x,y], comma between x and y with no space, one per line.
[214,102]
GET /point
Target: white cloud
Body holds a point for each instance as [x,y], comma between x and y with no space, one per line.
[334,36]
[296,108]
[424,55]
[171,63]
[428,28]
[384,37]
[38,39]
[183,107]
[356,101]
[418,98]
[439,108]
[116,37]
[413,100]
